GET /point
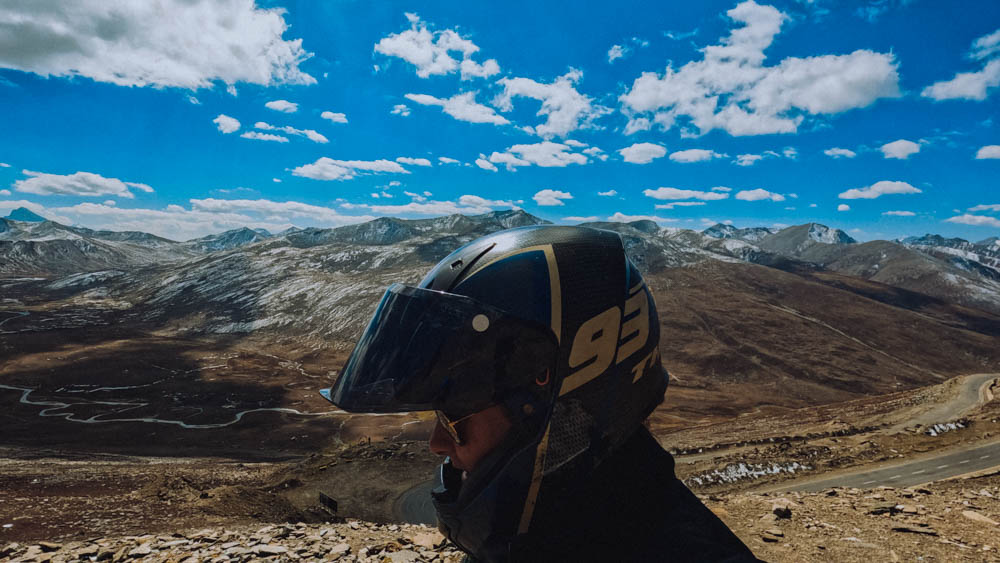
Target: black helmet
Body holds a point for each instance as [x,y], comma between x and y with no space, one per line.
[554,323]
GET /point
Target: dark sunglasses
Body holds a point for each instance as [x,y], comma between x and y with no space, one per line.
[450,426]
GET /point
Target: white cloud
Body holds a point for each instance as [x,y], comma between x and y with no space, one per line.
[565,109]
[4,165]
[674,204]
[416,197]
[616,52]
[5,193]
[972,85]
[988,207]
[642,153]
[413,161]
[977,220]
[595,152]
[694,155]
[721,189]
[334,117]
[462,107]
[169,43]
[989,151]
[574,143]
[283,106]
[400,109]
[276,180]
[312,135]
[901,149]
[264,137]
[880,188]
[330,169]
[747,159]
[545,154]
[813,205]
[836,152]
[843,207]
[226,124]
[674,193]
[620,217]
[485,164]
[609,193]
[476,201]
[86,184]
[430,51]
[758,195]
[446,160]
[899,213]
[551,197]
[577,219]
[790,152]
[423,208]
[731,89]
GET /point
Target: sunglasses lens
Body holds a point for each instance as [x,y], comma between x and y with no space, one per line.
[449,426]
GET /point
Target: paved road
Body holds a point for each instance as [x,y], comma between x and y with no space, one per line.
[415,506]
[968,397]
[910,473]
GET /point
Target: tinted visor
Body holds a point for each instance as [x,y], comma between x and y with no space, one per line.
[430,350]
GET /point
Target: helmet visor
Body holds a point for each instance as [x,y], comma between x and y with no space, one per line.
[430,350]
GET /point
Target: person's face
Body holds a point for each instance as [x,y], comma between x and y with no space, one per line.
[480,434]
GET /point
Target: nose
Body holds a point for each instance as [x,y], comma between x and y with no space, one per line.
[440,442]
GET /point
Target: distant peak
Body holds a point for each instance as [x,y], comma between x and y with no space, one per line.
[25,214]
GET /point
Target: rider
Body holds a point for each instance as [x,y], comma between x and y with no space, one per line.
[538,348]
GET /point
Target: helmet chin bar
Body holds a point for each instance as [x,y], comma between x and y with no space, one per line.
[480,513]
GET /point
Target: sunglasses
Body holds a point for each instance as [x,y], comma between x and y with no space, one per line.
[450,426]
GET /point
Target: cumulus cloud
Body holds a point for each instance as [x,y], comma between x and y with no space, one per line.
[334,117]
[431,51]
[283,106]
[674,193]
[565,109]
[5,193]
[694,155]
[4,165]
[988,207]
[674,204]
[264,137]
[413,161]
[972,85]
[136,45]
[616,52]
[546,154]
[596,152]
[642,153]
[312,135]
[578,219]
[843,207]
[880,188]
[446,160]
[477,201]
[85,184]
[609,193]
[977,220]
[462,107]
[226,124]
[758,195]
[485,164]
[747,159]
[901,149]
[989,151]
[467,204]
[836,152]
[721,189]
[551,197]
[899,213]
[330,169]
[731,89]
[620,217]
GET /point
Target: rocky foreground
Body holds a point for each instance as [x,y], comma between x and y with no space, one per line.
[352,541]
[947,521]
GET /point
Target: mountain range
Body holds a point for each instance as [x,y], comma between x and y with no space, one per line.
[749,317]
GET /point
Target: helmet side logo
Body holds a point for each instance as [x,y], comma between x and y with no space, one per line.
[609,336]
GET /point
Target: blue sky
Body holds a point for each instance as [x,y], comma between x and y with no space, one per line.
[185,118]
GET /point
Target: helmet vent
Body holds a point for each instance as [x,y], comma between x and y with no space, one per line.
[456,264]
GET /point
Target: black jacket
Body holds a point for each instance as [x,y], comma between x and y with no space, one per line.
[634,509]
